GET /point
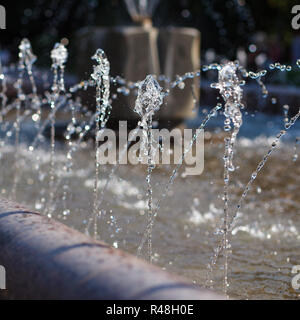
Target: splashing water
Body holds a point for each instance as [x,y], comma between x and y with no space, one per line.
[254,174]
[101,79]
[144,148]
[71,129]
[295,157]
[59,57]
[174,174]
[149,100]
[3,96]
[26,60]
[80,122]
[229,86]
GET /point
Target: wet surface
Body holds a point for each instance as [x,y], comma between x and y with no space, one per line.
[266,235]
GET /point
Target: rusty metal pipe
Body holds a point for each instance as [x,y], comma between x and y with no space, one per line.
[45,259]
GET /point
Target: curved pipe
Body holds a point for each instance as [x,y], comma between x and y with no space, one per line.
[45,259]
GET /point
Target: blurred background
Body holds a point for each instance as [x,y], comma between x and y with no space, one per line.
[225,25]
[255,32]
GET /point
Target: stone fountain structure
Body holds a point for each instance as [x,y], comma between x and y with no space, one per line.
[136,51]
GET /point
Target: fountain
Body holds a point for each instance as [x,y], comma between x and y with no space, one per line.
[63,177]
[59,57]
[148,101]
[101,78]
[138,50]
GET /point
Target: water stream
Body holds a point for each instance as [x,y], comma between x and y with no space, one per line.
[189,223]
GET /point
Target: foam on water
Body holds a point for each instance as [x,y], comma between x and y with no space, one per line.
[121,188]
[266,233]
